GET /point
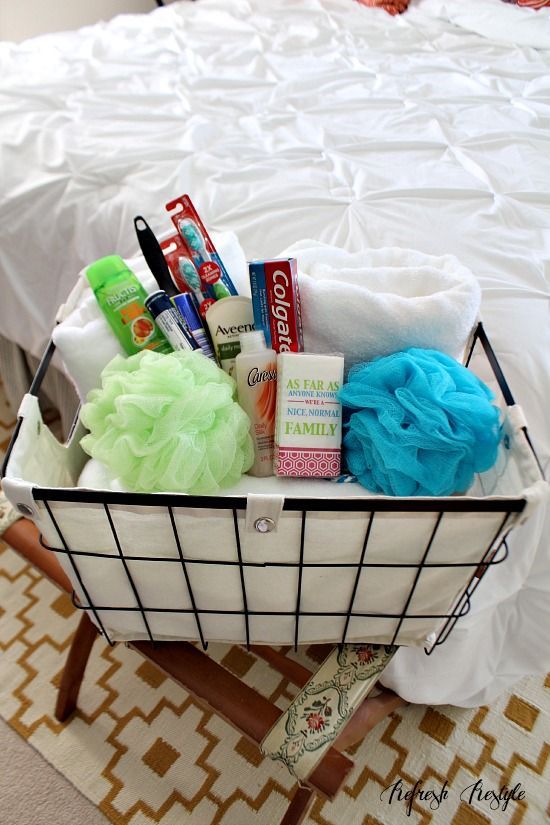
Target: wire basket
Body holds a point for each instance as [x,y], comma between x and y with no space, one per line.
[272,569]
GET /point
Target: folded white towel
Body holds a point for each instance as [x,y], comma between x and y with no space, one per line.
[372,303]
[96,476]
[84,339]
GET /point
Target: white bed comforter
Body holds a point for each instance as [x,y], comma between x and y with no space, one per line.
[320,119]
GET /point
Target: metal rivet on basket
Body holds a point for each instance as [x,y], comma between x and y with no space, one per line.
[25,510]
[264,525]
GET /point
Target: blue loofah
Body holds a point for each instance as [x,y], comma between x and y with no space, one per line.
[419,424]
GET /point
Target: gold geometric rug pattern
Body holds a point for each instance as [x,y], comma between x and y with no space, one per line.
[144,752]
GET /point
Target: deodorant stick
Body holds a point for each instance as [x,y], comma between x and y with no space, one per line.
[169,320]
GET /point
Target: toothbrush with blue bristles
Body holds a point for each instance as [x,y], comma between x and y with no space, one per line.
[202,294]
[190,276]
[189,231]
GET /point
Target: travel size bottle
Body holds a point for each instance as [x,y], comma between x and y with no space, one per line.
[121,297]
[256,376]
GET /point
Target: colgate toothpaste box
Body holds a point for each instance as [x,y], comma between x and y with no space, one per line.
[276,303]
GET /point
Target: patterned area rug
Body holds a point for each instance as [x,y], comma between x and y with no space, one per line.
[144,752]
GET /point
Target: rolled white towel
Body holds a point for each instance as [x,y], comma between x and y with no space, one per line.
[96,476]
[378,301]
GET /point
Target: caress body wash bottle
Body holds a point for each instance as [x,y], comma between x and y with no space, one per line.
[256,376]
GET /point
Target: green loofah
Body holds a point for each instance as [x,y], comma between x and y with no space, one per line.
[168,423]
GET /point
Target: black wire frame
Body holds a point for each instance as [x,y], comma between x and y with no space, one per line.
[439,507]
[489,557]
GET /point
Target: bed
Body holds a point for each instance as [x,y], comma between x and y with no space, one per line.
[317,119]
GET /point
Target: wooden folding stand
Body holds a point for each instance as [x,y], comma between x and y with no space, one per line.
[210,684]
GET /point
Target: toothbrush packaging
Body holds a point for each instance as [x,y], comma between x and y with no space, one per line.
[175,251]
[215,282]
[276,303]
[185,274]
[308,425]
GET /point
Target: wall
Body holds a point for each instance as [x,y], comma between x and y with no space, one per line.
[20,19]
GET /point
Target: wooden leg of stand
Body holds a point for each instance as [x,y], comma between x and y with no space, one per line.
[299,806]
[75,665]
[23,537]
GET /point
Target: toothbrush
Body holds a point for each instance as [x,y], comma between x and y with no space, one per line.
[190,276]
[220,291]
[190,233]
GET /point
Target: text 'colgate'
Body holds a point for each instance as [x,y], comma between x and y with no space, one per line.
[276,303]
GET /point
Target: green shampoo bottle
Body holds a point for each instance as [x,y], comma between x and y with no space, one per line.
[122,300]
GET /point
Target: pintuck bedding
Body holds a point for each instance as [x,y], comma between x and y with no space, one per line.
[321,120]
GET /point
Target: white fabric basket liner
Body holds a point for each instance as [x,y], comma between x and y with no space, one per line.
[366,602]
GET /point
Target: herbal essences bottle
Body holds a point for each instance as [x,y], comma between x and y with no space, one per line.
[256,376]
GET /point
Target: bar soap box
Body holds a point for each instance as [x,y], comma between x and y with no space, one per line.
[308,428]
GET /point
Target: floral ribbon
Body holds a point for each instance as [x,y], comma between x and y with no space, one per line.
[303,734]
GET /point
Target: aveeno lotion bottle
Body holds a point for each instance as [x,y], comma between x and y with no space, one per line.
[227,319]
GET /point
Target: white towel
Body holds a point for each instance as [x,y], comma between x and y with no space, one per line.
[372,303]
[97,476]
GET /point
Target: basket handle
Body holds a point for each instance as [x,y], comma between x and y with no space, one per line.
[33,390]
[64,310]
